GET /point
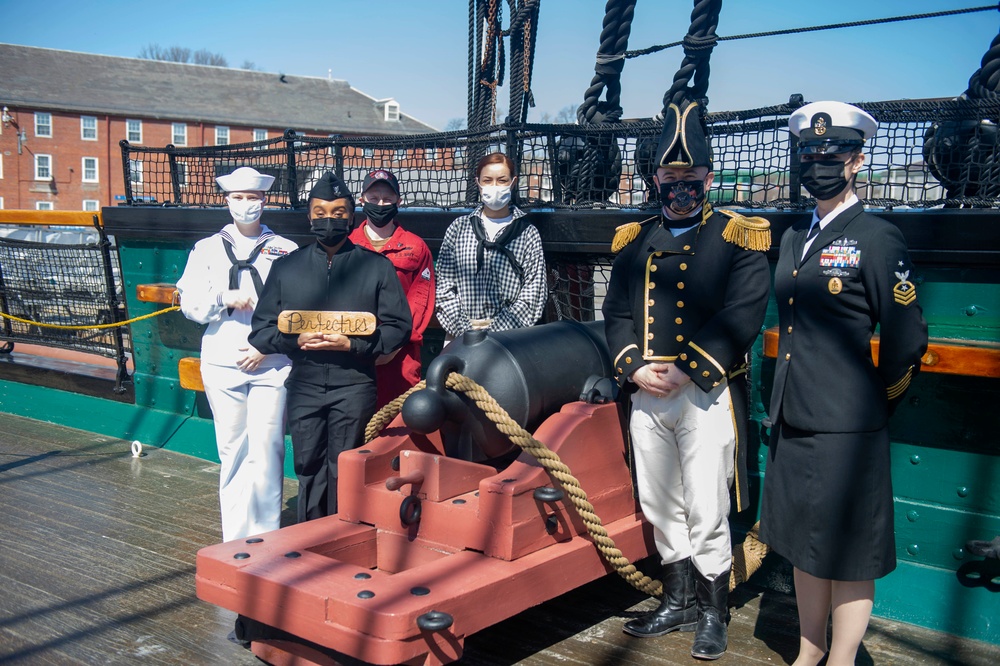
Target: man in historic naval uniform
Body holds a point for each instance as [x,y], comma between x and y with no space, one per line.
[685,302]
[827,504]
[331,388]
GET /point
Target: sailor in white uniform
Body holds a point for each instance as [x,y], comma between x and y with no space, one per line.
[246,389]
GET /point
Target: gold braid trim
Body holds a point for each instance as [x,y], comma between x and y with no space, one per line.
[627,233]
[750,233]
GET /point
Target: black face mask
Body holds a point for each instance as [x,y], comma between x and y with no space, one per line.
[330,230]
[379,216]
[682,196]
[824,180]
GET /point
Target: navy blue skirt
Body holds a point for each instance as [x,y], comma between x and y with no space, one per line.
[827,504]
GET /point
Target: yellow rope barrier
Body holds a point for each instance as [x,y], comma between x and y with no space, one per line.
[746,559]
[90,327]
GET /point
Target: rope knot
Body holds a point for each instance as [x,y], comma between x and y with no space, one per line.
[699,47]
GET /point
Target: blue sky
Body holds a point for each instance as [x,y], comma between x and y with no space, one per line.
[416,50]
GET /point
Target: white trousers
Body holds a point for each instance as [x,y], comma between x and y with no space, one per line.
[683,444]
[249,414]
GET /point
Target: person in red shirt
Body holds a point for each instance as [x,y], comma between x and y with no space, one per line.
[380,195]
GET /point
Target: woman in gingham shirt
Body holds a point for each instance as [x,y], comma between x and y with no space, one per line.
[491,270]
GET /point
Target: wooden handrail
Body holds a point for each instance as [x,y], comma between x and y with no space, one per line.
[161,292]
[950,357]
[61,218]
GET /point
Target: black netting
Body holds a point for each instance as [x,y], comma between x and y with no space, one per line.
[577,286]
[926,153]
[64,285]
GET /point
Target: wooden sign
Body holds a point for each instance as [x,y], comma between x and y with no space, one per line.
[319,321]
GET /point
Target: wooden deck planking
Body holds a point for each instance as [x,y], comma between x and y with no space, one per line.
[97,566]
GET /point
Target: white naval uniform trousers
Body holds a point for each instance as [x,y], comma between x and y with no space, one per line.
[684,445]
[248,408]
[249,414]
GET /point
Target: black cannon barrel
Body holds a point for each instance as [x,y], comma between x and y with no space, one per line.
[531,372]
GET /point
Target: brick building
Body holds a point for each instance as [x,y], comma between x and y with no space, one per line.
[64,114]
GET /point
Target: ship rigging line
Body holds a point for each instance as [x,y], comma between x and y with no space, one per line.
[792,31]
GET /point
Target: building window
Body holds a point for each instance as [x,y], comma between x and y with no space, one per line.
[260,135]
[368,153]
[90,169]
[88,128]
[1,203]
[391,111]
[43,205]
[43,124]
[221,135]
[180,134]
[1,166]
[431,154]
[135,171]
[133,131]
[43,167]
[91,205]
[182,174]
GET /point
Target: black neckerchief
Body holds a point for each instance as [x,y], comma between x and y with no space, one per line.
[243,265]
[504,238]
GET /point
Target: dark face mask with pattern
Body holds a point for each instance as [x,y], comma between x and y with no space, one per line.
[823,179]
[330,230]
[682,196]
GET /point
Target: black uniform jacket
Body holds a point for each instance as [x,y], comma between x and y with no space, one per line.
[856,275]
[696,300]
[355,280]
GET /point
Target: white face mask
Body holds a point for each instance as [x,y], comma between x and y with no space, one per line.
[245,211]
[495,197]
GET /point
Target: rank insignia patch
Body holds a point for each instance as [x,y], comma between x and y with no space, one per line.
[904,292]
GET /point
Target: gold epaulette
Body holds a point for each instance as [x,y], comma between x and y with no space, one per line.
[627,233]
[750,233]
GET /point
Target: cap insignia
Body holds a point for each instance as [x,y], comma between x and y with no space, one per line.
[819,125]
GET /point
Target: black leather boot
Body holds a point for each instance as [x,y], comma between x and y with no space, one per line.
[678,610]
[711,635]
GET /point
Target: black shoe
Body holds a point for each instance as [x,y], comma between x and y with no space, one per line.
[231,637]
[678,610]
[711,636]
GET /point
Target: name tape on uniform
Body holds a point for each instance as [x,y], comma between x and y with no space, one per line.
[319,321]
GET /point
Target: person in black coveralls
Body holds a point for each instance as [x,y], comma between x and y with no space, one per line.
[827,503]
[331,388]
[685,301]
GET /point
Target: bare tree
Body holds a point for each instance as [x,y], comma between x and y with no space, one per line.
[183,54]
[250,65]
[178,54]
[153,52]
[206,57]
[455,124]
[567,114]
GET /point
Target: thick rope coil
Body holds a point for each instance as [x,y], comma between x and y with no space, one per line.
[698,45]
[558,470]
[615,33]
[985,82]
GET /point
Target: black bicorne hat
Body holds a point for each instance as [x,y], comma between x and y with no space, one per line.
[684,142]
[330,188]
